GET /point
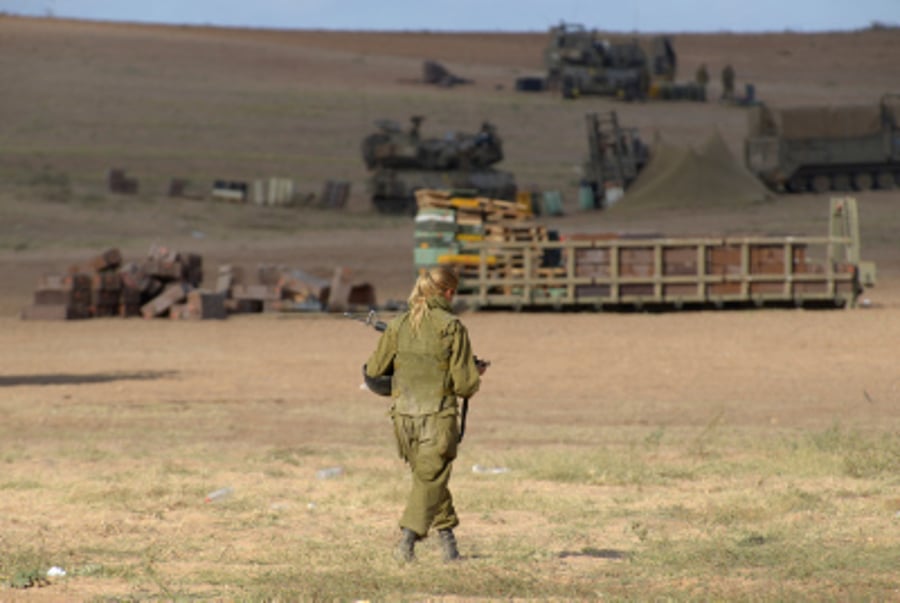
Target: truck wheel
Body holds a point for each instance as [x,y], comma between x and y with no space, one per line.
[797,184]
[862,181]
[884,180]
[821,183]
[841,181]
[569,87]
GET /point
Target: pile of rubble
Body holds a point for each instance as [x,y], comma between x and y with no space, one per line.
[167,283]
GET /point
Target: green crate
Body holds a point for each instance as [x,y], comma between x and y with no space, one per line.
[434,238]
[428,256]
[433,226]
[553,204]
[477,229]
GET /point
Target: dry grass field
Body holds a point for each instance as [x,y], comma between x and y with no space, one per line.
[739,455]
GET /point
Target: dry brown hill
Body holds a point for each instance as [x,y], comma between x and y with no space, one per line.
[207,103]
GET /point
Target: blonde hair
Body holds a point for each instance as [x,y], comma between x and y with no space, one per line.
[431,282]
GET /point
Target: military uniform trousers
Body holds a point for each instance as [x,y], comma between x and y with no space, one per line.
[428,443]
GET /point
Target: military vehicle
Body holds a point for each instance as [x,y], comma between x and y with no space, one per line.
[826,148]
[615,157]
[402,161]
[580,62]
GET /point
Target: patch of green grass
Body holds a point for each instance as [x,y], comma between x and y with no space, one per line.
[483,578]
[703,445]
[780,554]
[597,466]
[24,568]
[52,185]
[747,520]
[21,484]
[15,244]
[277,472]
[176,468]
[288,455]
[857,454]
[91,454]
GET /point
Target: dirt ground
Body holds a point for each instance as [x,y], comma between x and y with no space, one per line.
[205,103]
[157,99]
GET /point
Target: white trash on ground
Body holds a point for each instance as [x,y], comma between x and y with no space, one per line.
[220,494]
[489,470]
[329,472]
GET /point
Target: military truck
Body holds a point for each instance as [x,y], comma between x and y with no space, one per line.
[400,161]
[615,157]
[580,62]
[818,149]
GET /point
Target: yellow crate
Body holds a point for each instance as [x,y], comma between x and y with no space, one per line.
[465,259]
[462,236]
[465,203]
[523,202]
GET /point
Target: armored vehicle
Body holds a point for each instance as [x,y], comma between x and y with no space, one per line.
[826,148]
[402,161]
[579,62]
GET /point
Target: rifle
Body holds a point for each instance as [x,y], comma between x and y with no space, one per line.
[370,320]
[382,385]
[377,385]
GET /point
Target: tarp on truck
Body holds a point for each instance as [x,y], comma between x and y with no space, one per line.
[827,122]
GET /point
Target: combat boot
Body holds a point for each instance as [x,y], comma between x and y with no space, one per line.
[405,551]
[448,545]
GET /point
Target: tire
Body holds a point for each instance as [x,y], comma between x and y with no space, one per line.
[797,184]
[884,180]
[841,181]
[863,181]
[569,91]
[820,183]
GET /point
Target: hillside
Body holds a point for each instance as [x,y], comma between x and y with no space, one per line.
[206,103]
[695,455]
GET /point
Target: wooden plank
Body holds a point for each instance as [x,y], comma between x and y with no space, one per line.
[172,294]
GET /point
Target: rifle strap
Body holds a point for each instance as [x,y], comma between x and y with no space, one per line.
[462,418]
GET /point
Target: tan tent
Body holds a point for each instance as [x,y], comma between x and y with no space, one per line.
[709,176]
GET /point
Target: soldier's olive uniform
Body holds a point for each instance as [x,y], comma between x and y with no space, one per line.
[432,366]
[702,76]
[728,82]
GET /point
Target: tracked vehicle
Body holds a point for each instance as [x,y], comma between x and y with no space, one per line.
[402,161]
[820,149]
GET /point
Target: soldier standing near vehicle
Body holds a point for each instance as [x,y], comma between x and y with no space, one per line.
[728,83]
[702,76]
[429,352]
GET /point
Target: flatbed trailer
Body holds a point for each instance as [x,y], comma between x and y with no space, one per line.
[607,272]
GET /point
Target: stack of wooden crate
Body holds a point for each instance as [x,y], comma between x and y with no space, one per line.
[83,292]
[60,297]
[166,283]
[457,230]
[281,288]
[167,277]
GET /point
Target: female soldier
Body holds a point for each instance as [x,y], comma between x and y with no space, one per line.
[429,351]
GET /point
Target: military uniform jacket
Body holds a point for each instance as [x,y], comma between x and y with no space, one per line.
[431,365]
